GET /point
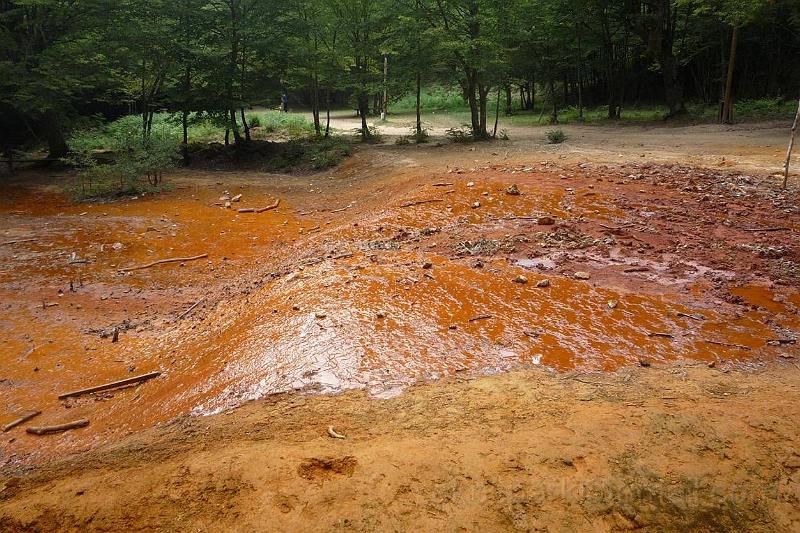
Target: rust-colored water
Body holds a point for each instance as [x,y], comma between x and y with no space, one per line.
[374,319]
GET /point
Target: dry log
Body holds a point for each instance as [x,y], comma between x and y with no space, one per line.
[46,430]
[113,385]
[21,420]
[162,261]
[418,202]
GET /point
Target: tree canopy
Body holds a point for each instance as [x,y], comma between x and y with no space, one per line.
[62,60]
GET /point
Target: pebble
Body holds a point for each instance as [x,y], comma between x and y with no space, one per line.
[320,314]
[427,265]
[522,280]
[582,275]
[612,304]
[476,205]
[542,283]
[545,221]
[513,191]
[381,314]
[471,184]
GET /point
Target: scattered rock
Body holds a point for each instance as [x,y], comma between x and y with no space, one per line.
[381,314]
[581,275]
[476,205]
[545,221]
[612,304]
[513,191]
[320,314]
[427,265]
[522,280]
[471,184]
[542,283]
[644,363]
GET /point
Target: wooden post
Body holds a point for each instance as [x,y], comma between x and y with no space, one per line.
[791,146]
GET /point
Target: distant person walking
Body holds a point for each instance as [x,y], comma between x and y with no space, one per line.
[285,103]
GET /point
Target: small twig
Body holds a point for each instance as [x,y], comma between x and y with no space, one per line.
[418,202]
[660,334]
[45,430]
[162,261]
[21,420]
[341,209]
[480,317]
[442,184]
[727,344]
[185,313]
[693,316]
[17,241]
[765,229]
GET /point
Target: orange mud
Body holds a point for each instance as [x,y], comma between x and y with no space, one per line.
[333,289]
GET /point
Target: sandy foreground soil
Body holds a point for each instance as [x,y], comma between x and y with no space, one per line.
[597,336]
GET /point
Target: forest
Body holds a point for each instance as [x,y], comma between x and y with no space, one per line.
[67,65]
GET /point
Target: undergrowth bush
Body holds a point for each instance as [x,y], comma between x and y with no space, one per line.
[136,165]
[556,136]
[460,135]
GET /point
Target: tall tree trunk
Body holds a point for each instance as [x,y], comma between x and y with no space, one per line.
[185,142]
[363,109]
[791,145]
[580,71]
[554,98]
[727,102]
[497,111]
[327,111]
[419,94]
[237,137]
[315,104]
[509,100]
[54,132]
[483,93]
[245,125]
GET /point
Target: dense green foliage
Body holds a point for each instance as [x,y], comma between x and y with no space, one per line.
[207,63]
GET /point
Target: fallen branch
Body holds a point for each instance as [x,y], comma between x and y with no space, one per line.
[636,269]
[765,229]
[260,209]
[17,241]
[418,202]
[661,335]
[162,261]
[185,313]
[480,317]
[332,433]
[728,344]
[112,385]
[46,430]
[442,184]
[693,316]
[345,208]
[21,420]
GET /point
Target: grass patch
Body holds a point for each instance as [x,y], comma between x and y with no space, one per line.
[432,99]
[274,123]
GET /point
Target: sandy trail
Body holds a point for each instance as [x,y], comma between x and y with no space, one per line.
[406,264]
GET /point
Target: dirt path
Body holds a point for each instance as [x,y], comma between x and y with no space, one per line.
[678,448]
[411,264]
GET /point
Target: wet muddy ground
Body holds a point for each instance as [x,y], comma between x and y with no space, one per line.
[397,267]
